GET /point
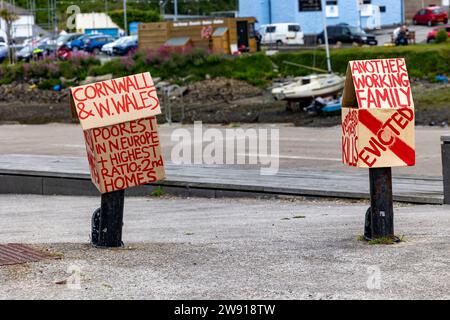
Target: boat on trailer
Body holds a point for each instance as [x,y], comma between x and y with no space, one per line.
[314,85]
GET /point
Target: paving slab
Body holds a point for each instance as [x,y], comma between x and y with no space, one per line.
[196,248]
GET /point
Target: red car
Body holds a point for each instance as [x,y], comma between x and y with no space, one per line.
[432,34]
[431,16]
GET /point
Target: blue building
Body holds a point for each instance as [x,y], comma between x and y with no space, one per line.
[369,14]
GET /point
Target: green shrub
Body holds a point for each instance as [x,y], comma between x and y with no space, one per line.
[134,15]
[422,60]
[48,84]
[441,36]
[194,65]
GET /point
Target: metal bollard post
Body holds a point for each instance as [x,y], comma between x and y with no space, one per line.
[445,150]
[107,221]
[380,215]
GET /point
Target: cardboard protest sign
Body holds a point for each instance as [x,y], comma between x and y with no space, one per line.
[114,101]
[120,130]
[378,115]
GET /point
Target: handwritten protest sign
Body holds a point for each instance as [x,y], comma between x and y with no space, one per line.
[378,115]
[114,101]
[120,130]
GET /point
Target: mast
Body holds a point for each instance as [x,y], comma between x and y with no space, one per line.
[325,35]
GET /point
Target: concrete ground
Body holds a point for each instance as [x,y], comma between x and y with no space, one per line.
[225,249]
[300,147]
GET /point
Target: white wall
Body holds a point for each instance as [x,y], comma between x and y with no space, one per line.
[21,28]
[93,21]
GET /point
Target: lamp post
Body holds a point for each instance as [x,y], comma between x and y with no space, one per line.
[175,9]
[125,17]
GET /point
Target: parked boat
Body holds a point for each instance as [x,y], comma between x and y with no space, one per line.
[324,105]
[315,85]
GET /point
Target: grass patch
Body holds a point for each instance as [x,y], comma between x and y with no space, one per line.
[383,240]
[158,192]
[436,97]
[360,238]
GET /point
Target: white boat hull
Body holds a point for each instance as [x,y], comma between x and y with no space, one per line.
[322,85]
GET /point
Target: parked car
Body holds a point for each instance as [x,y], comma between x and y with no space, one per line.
[282,33]
[3,51]
[432,34]
[95,43]
[64,53]
[108,48]
[345,33]
[26,53]
[48,45]
[125,47]
[44,47]
[64,39]
[77,43]
[431,16]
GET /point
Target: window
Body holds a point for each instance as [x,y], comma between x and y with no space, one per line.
[332,3]
[332,30]
[252,31]
[294,28]
[271,29]
[309,5]
[382,8]
[367,1]
[345,31]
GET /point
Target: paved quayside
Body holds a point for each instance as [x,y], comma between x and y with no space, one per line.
[197,248]
[47,175]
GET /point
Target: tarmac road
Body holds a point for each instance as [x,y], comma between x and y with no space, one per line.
[225,249]
[300,147]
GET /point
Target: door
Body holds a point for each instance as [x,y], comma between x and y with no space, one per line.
[345,35]
[294,35]
[242,33]
[269,34]
[421,16]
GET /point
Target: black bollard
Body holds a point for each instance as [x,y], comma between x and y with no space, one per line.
[445,149]
[380,215]
[107,221]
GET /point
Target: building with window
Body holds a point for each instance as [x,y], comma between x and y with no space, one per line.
[368,14]
[23,27]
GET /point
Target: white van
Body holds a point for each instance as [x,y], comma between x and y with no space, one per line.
[282,33]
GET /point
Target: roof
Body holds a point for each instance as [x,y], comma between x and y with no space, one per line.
[14,9]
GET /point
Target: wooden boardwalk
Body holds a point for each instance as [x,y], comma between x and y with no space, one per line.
[66,171]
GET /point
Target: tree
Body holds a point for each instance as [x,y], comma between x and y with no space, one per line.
[9,18]
[134,15]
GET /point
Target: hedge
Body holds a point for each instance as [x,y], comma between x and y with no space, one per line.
[423,61]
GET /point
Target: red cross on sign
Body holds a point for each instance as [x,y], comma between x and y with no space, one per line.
[378,115]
